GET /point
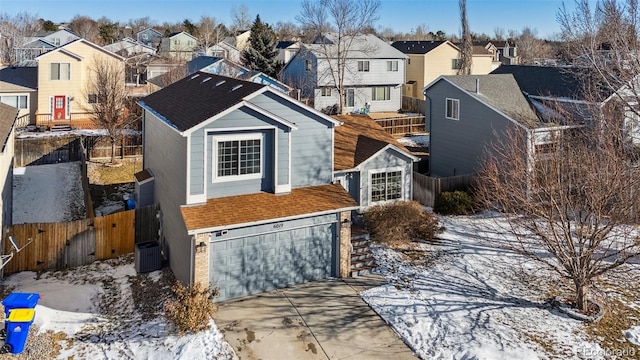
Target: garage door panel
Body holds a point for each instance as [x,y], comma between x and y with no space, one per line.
[260,263]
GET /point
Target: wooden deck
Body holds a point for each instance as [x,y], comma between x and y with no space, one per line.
[76,121]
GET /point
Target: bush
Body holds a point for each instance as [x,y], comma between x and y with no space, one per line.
[453,203]
[401,222]
[190,309]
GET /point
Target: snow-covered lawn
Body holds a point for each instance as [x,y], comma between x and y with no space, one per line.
[106,311]
[465,298]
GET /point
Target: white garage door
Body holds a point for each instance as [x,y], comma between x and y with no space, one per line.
[251,265]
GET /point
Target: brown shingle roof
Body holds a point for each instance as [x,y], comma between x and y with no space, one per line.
[243,209]
[358,139]
[8,116]
[143,175]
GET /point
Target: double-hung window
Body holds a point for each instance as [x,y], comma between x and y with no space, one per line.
[381,93]
[237,157]
[386,186]
[326,91]
[60,71]
[392,65]
[453,109]
[363,65]
[17,101]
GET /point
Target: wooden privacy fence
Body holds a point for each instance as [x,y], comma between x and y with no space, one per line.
[58,246]
[46,150]
[411,104]
[403,125]
[100,146]
[426,189]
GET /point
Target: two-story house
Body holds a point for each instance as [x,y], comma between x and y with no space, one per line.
[128,47]
[8,116]
[373,76]
[19,89]
[469,113]
[430,59]
[178,46]
[150,37]
[244,178]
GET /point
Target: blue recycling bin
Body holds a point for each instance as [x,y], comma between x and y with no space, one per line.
[17,325]
[17,300]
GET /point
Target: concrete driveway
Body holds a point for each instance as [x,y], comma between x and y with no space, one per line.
[318,320]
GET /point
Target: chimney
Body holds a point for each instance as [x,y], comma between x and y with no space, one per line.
[477,85]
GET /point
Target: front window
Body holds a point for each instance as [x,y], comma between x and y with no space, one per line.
[381,93]
[60,71]
[238,157]
[363,65]
[453,109]
[17,101]
[386,186]
[326,91]
[92,98]
[392,65]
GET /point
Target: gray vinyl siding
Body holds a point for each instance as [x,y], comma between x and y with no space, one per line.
[457,146]
[144,193]
[165,155]
[283,157]
[389,159]
[363,96]
[311,144]
[295,75]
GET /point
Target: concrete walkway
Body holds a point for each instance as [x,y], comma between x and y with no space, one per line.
[318,320]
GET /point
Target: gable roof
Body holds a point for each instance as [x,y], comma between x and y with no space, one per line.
[62,48]
[500,92]
[178,33]
[265,207]
[23,78]
[362,47]
[545,81]
[358,139]
[149,29]
[37,44]
[198,97]
[8,115]
[284,44]
[418,47]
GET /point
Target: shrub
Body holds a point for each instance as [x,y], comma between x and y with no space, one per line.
[453,203]
[191,308]
[401,222]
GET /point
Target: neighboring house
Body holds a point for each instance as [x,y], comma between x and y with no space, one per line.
[243,176]
[32,50]
[62,76]
[222,50]
[508,52]
[19,89]
[287,50]
[467,113]
[128,47]
[430,59]
[149,37]
[59,37]
[373,166]
[374,73]
[178,46]
[7,119]
[242,39]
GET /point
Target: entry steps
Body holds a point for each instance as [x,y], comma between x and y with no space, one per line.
[362,260]
[59,128]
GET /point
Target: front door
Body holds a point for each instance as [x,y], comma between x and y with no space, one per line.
[59,107]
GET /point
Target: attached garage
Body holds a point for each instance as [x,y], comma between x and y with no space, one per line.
[274,256]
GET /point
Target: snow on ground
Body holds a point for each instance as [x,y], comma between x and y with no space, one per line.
[415,140]
[48,193]
[464,298]
[97,307]
[83,132]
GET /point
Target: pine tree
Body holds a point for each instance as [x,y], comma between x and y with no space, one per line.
[260,54]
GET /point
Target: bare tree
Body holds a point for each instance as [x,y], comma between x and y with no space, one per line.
[240,18]
[16,31]
[85,27]
[287,30]
[347,19]
[106,97]
[531,47]
[210,32]
[466,47]
[499,34]
[142,23]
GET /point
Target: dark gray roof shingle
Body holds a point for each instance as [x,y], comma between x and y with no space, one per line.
[22,76]
[544,80]
[8,116]
[198,97]
[416,47]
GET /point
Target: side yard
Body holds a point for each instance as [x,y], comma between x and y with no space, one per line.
[465,298]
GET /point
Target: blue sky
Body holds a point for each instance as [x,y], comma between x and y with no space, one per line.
[400,15]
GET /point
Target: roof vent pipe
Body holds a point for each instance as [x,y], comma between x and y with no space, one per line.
[477,86]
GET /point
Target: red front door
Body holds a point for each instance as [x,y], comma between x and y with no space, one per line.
[59,107]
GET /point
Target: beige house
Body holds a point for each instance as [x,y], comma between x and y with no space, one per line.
[62,77]
[8,116]
[429,60]
[178,46]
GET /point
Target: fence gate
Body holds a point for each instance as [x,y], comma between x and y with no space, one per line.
[81,249]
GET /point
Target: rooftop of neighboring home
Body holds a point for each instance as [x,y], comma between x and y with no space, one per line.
[362,46]
[357,139]
[21,78]
[195,92]
[418,46]
[545,81]
[7,118]
[285,44]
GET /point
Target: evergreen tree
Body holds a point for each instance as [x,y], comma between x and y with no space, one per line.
[261,53]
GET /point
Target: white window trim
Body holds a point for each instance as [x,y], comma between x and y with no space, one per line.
[235,137]
[392,65]
[366,68]
[326,92]
[387,92]
[446,103]
[386,170]
[59,72]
